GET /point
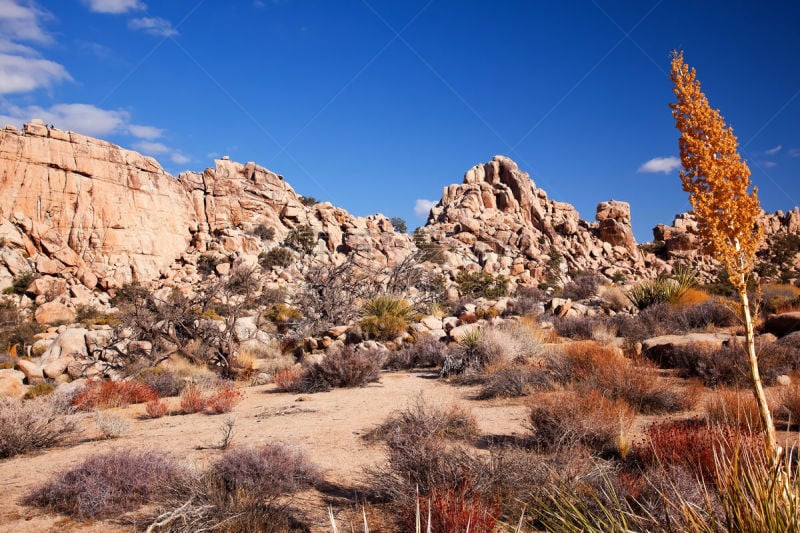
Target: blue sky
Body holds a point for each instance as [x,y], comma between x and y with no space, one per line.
[376,105]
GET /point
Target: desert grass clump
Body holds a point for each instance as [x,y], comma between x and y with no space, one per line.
[33,424]
[286,379]
[734,408]
[106,485]
[41,388]
[193,399]
[155,408]
[789,404]
[563,420]
[512,381]
[385,317]
[111,425]
[105,394]
[223,399]
[423,420]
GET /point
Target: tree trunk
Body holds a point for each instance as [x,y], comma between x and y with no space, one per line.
[770,441]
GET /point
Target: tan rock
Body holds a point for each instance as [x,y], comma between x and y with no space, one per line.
[52,312]
[31,370]
[11,383]
[58,367]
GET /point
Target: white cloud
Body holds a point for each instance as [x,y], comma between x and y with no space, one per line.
[773,151]
[151,148]
[21,21]
[153,26]
[179,158]
[661,164]
[422,207]
[114,6]
[20,74]
[145,132]
[82,118]
[769,164]
[794,152]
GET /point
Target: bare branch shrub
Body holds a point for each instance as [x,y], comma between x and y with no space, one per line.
[106,485]
[111,425]
[33,424]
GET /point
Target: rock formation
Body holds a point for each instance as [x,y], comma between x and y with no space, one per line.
[498,219]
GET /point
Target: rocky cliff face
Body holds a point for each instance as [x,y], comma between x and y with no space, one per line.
[499,220]
[95,214]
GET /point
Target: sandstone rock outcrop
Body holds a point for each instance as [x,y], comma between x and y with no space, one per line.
[498,219]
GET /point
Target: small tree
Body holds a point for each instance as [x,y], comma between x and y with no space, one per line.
[717,180]
[399,224]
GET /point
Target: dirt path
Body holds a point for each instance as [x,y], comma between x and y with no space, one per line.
[328,426]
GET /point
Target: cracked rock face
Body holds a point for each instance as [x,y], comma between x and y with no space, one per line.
[92,206]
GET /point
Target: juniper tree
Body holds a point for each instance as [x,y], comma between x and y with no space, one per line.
[718,183]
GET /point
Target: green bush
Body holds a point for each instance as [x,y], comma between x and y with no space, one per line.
[264,232]
[386,316]
[481,285]
[663,289]
[302,238]
[279,256]
[22,281]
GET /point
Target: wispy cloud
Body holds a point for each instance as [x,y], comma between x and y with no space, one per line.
[773,151]
[794,152]
[21,21]
[151,148]
[769,164]
[422,207]
[179,158]
[19,74]
[153,26]
[661,164]
[114,7]
[145,132]
[82,118]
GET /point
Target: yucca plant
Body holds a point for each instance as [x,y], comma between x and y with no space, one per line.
[386,316]
[663,289]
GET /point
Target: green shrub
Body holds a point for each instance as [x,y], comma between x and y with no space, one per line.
[22,281]
[399,224]
[264,232]
[663,289]
[481,285]
[308,201]
[278,256]
[302,238]
[386,316]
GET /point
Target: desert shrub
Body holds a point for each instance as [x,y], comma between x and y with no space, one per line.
[589,419]
[39,389]
[340,367]
[278,256]
[106,485]
[576,327]
[386,316]
[481,285]
[614,297]
[280,313]
[193,399]
[666,319]
[302,238]
[33,424]
[733,408]
[458,509]
[789,404]
[399,224]
[512,382]
[527,300]
[583,286]
[779,298]
[223,399]
[111,425]
[421,420]
[272,469]
[286,379]
[264,232]
[104,394]
[90,315]
[728,366]
[164,381]
[425,352]
[155,408]
[693,444]
[308,201]
[21,282]
[507,344]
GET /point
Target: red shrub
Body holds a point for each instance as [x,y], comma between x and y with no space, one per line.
[155,408]
[693,444]
[192,399]
[458,509]
[106,394]
[224,399]
[286,379]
